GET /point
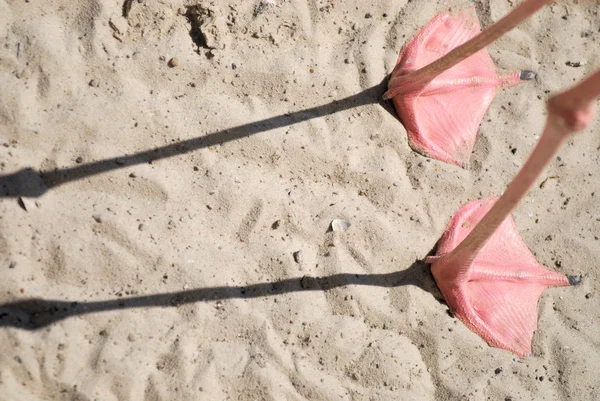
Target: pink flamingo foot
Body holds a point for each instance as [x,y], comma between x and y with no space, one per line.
[495,294]
[442,113]
[487,275]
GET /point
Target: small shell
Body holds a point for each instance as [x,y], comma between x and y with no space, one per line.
[27,204]
[340,225]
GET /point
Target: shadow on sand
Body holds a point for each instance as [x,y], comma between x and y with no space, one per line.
[36,313]
[30,183]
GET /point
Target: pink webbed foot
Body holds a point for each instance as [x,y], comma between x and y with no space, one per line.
[497,293]
[442,114]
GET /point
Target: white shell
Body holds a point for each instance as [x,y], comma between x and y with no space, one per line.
[28,204]
[340,225]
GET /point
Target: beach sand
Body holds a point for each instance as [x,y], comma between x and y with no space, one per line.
[178,244]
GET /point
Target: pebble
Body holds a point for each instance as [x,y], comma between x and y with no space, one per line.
[142,227]
[13,264]
[576,63]
[79,160]
[173,62]
[297,257]
[131,338]
[276,224]
[308,282]
[498,371]
[97,218]
[588,295]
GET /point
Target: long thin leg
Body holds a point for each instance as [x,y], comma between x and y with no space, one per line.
[429,72]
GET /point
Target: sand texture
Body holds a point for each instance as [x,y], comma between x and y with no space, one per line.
[165,199]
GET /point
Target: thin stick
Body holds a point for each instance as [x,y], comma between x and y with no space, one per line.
[429,72]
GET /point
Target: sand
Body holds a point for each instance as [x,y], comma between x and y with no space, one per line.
[187,191]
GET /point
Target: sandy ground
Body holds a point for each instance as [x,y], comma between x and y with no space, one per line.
[183,201]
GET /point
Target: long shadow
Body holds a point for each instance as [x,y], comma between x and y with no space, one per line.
[29,183]
[36,313]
